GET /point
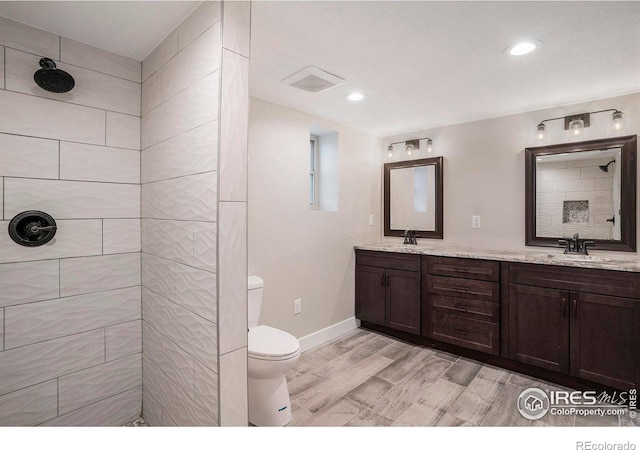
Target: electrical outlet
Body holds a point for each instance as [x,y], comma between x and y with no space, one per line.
[475,222]
[370,220]
[297,306]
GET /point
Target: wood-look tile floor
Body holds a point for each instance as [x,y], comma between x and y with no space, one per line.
[367,379]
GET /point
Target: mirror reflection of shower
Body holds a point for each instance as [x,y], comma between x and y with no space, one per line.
[605,167]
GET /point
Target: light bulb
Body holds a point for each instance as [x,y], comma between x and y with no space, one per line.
[390,150]
[617,121]
[522,48]
[409,148]
[429,146]
[576,126]
[541,133]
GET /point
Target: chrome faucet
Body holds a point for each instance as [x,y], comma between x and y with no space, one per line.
[575,245]
[410,238]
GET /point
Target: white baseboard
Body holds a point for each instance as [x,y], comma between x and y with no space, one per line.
[326,334]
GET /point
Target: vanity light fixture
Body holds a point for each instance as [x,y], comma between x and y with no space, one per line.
[576,124]
[411,145]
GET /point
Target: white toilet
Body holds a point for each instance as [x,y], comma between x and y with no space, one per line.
[272,353]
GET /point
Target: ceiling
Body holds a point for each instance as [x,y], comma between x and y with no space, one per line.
[421,64]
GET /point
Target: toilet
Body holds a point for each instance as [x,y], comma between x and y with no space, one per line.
[272,353]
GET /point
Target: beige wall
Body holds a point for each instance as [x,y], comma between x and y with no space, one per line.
[299,252]
[484,169]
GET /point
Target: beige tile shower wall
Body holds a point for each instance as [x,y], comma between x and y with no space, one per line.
[70,311]
[179,159]
[574,180]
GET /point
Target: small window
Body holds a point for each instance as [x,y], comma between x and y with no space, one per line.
[313,167]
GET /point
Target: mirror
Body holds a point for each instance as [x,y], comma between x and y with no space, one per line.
[587,188]
[413,198]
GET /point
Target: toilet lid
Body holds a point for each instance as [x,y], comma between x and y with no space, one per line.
[267,341]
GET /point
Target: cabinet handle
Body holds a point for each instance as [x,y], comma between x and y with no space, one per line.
[460,308]
[459,290]
[463,332]
[564,307]
[575,308]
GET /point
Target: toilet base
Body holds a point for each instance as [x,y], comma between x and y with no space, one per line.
[269,403]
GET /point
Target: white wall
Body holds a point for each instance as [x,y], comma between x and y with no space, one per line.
[484,169]
[302,253]
[70,330]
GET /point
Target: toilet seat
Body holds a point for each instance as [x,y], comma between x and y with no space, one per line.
[271,344]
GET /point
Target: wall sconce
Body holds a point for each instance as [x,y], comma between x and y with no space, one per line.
[576,124]
[411,145]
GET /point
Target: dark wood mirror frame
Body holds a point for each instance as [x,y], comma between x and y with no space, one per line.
[627,243]
[437,163]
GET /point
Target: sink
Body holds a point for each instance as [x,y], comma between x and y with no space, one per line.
[579,258]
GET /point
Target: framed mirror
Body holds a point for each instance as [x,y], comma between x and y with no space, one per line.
[587,188]
[413,198]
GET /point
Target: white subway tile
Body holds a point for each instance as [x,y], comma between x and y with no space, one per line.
[234,123]
[151,92]
[29,406]
[65,245]
[173,401]
[123,131]
[83,55]
[94,163]
[188,153]
[192,333]
[123,339]
[121,235]
[159,275]
[28,282]
[71,199]
[36,363]
[559,174]
[234,404]
[98,383]
[196,291]
[237,27]
[594,172]
[192,64]
[205,245]
[193,197]
[189,109]
[175,363]
[574,185]
[40,117]
[91,88]
[198,22]
[2,68]
[50,319]
[23,37]
[601,208]
[591,196]
[170,239]
[160,55]
[22,156]
[604,184]
[232,276]
[99,273]
[206,389]
[110,412]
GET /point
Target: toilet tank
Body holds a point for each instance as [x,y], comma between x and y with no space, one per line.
[255,285]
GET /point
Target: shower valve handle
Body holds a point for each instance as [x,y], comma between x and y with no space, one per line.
[35,229]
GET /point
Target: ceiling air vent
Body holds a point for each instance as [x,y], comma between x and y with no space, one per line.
[313,80]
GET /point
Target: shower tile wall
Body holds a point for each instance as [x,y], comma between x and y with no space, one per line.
[70,328]
[179,136]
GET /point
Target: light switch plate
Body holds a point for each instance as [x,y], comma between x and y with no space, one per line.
[475,222]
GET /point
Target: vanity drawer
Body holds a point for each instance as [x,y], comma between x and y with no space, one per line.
[473,309]
[469,333]
[477,269]
[388,260]
[577,279]
[463,288]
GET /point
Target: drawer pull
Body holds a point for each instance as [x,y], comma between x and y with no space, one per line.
[459,290]
[460,308]
[463,332]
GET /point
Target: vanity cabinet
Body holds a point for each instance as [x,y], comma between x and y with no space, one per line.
[581,322]
[461,302]
[388,290]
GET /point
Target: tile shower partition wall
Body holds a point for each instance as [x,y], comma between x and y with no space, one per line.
[193,135]
[70,328]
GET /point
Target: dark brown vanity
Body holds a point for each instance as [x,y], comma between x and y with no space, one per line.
[577,326]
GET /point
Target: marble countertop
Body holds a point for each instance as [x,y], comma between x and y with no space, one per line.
[626,262]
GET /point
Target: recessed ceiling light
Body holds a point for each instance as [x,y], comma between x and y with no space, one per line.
[356,96]
[522,48]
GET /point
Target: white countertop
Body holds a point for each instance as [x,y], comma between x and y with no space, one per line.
[627,262]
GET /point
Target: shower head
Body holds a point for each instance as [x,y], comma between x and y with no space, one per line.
[605,167]
[51,79]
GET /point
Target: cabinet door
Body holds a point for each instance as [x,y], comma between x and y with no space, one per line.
[539,327]
[403,300]
[370,294]
[604,331]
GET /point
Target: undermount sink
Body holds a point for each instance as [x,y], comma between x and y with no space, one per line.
[578,257]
